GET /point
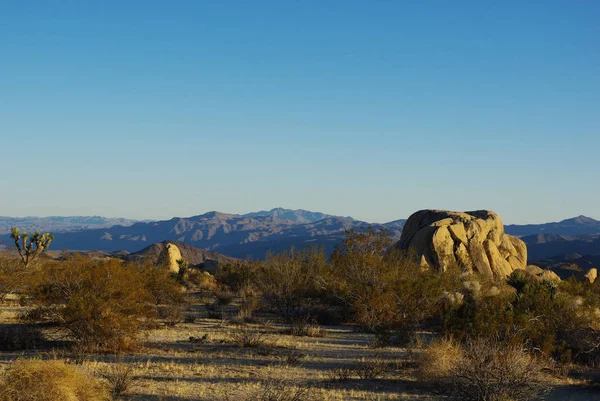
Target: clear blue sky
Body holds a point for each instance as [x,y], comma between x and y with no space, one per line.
[373,109]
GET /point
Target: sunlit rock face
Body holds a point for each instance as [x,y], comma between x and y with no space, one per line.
[170,256]
[474,241]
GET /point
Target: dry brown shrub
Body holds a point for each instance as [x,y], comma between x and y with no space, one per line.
[172,315]
[370,369]
[279,385]
[440,359]
[11,274]
[306,326]
[100,304]
[340,374]
[247,337]
[51,380]
[483,370]
[294,358]
[120,378]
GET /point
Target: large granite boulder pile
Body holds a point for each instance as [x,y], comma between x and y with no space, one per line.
[474,241]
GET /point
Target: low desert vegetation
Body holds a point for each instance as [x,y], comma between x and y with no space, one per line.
[49,380]
[100,304]
[332,325]
[483,369]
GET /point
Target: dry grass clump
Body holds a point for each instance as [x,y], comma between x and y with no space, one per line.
[294,358]
[120,378]
[482,370]
[370,369]
[246,337]
[52,380]
[306,327]
[440,359]
[280,385]
[340,374]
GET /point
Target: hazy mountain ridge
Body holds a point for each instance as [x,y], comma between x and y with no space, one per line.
[579,225]
[57,224]
[235,235]
[297,216]
[544,246]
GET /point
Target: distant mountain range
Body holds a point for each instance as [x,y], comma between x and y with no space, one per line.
[242,236]
[59,223]
[580,225]
[252,235]
[543,246]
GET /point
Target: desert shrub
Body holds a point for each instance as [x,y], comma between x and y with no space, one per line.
[18,337]
[189,317]
[325,315]
[280,385]
[162,285]
[383,288]
[440,359]
[205,282]
[537,313]
[289,279]
[369,369]
[306,326]
[250,300]
[237,275]
[120,378]
[11,274]
[340,374]
[294,358]
[172,315]
[51,380]
[247,337]
[214,311]
[224,297]
[101,304]
[482,370]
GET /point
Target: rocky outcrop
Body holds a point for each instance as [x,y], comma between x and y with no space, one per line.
[591,275]
[473,240]
[169,257]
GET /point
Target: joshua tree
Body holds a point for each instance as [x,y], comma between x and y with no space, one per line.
[26,249]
